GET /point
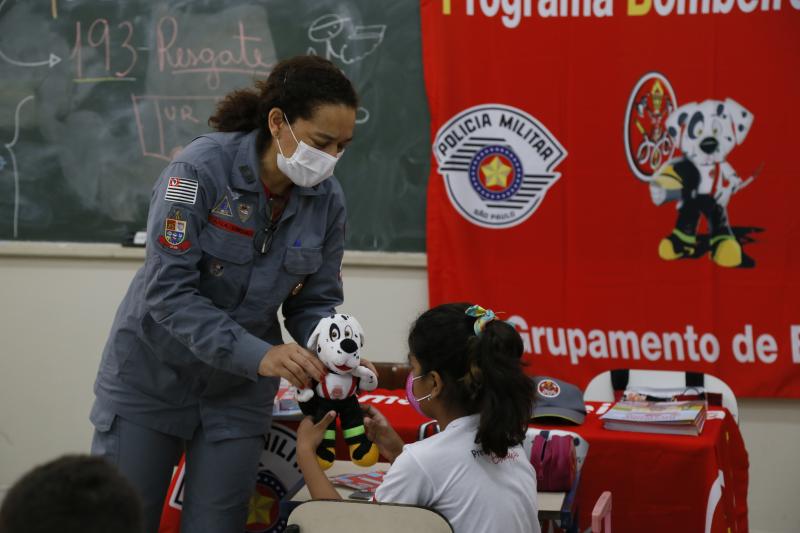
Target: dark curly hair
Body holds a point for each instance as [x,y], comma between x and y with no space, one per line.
[482,374]
[297,86]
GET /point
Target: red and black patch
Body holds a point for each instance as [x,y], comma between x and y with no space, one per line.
[229,226]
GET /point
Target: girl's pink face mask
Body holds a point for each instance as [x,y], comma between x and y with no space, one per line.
[410,394]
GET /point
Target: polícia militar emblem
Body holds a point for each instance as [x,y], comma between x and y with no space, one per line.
[498,162]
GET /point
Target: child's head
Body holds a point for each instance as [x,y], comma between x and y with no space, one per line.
[479,372]
[70,494]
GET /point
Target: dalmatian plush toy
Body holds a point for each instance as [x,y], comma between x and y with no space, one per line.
[701,179]
[337,340]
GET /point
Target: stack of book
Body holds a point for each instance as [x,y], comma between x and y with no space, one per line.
[677,418]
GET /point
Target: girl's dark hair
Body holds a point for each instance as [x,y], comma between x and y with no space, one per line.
[296,85]
[482,373]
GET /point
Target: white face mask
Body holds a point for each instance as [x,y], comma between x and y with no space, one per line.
[308,166]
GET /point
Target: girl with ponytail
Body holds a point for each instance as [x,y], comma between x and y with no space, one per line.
[466,372]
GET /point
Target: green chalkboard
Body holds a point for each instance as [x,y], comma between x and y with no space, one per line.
[97,95]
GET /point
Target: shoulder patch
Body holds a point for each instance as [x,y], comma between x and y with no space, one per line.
[181,190]
[174,236]
[223,207]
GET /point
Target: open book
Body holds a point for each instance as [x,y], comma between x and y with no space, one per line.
[365,481]
[679,418]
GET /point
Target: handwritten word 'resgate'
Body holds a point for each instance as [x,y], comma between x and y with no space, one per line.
[248,59]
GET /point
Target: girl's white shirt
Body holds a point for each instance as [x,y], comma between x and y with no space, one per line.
[474,491]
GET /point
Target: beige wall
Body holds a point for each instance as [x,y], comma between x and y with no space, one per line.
[59,301]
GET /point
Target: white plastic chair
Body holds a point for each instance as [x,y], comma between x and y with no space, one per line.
[600,389]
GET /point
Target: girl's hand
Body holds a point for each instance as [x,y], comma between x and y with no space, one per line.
[381,433]
[309,434]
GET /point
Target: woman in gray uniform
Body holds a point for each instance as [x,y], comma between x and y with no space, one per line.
[242,221]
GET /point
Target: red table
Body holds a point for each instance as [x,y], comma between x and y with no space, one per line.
[660,483]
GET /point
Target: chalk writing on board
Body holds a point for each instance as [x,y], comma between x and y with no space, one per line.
[10,148]
[247,58]
[164,122]
[98,36]
[344,40]
[50,62]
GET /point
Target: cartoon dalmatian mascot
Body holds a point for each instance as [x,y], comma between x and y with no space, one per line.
[337,341]
[701,179]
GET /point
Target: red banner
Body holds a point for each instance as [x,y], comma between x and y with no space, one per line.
[618,178]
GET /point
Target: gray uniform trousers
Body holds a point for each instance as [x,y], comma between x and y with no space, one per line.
[218,482]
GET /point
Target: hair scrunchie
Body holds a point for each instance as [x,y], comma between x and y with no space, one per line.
[482,316]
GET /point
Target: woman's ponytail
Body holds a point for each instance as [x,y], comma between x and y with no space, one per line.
[238,111]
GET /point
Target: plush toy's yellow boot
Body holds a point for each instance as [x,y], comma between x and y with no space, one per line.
[368,459]
[676,245]
[727,253]
[326,457]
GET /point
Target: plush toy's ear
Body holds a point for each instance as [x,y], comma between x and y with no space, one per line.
[313,339]
[357,327]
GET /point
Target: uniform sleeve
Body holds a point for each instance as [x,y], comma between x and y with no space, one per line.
[322,291]
[406,482]
[179,209]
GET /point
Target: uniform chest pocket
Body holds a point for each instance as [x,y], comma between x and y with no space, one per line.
[225,267]
[302,261]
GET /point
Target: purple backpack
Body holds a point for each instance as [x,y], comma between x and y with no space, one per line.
[554,461]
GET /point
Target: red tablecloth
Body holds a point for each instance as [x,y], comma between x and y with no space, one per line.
[660,483]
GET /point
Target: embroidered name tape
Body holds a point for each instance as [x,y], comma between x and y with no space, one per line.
[181,190]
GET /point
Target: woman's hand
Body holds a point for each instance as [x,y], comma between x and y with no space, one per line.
[382,433]
[309,434]
[291,361]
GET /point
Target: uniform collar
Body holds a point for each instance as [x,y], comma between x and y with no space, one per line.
[246,166]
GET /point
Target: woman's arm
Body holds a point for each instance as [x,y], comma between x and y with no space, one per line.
[309,435]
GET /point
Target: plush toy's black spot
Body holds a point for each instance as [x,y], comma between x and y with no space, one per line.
[744,113]
[682,118]
[319,349]
[720,109]
[672,132]
[728,139]
[741,127]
